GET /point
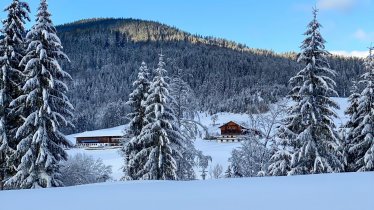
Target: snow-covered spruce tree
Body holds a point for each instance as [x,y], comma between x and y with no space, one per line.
[347,131]
[12,49]
[137,101]
[236,171]
[41,147]
[228,172]
[280,162]
[160,139]
[361,146]
[309,130]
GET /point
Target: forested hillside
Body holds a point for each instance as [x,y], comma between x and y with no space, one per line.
[106,54]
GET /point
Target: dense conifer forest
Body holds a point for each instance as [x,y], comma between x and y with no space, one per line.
[106,54]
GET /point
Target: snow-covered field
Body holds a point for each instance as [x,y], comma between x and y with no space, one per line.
[352,191]
[111,157]
[220,152]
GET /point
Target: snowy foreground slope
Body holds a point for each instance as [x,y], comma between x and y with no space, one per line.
[352,191]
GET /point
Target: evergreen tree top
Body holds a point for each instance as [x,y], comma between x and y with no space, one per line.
[44,41]
[44,26]
[18,13]
[369,61]
[315,77]
[13,30]
[160,71]
[44,17]
[143,73]
[313,47]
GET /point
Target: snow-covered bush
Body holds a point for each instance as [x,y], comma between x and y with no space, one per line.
[251,159]
[84,169]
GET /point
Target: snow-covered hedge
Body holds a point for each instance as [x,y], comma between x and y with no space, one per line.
[84,169]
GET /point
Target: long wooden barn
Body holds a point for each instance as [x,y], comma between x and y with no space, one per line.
[111,137]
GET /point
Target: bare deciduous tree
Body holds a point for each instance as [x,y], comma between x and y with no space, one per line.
[214,119]
[216,172]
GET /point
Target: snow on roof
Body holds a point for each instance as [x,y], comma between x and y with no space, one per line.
[234,123]
[115,131]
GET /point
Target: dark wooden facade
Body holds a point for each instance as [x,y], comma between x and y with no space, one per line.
[99,141]
[233,132]
[232,128]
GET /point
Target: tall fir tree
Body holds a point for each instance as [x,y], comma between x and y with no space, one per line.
[41,147]
[161,139]
[348,133]
[309,131]
[361,145]
[137,100]
[12,49]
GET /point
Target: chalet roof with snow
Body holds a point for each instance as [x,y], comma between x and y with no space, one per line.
[230,122]
[116,131]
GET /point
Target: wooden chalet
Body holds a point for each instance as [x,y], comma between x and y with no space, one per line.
[233,132]
[232,128]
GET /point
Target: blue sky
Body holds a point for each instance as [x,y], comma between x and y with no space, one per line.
[269,24]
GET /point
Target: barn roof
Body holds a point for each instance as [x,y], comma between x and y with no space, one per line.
[234,123]
[116,131]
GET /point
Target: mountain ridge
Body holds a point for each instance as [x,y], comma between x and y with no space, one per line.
[116,23]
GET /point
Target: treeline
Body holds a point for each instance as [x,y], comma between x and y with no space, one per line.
[225,76]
